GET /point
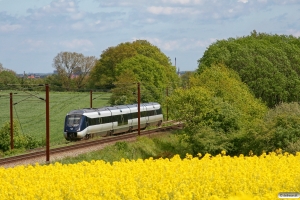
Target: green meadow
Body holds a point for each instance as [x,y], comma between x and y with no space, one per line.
[30,110]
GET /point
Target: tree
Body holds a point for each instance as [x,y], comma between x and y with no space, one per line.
[1,67]
[83,71]
[8,77]
[73,69]
[268,64]
[215,109]
[145,70]
[55,82]
[104,73]
[185,79]
[125,91]
[148,64]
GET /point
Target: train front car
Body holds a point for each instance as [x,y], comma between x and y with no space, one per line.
[75,125]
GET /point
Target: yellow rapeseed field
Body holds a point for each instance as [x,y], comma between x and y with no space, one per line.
[207,177]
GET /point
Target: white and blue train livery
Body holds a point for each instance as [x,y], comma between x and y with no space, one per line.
[106,121]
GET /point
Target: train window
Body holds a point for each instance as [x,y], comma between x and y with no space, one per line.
[122,119]
[144,114]
[158,111]
[134,115]
[73,120]
[93,121]
[106,120]
[115,118]
[126,117]
[129,116]
[151,112]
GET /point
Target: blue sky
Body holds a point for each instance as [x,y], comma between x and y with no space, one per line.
[33,32]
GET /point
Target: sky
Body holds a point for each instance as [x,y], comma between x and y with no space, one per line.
[33,32]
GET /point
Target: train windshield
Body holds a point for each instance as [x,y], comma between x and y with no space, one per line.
[73,120]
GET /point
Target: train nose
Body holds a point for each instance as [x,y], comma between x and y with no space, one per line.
[71,135]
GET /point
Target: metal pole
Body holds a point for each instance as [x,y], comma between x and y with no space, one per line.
[47,125]
[167,103]
[11,122]
[91,100]
[139,110]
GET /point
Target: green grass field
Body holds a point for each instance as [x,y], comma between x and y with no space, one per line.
[30,111]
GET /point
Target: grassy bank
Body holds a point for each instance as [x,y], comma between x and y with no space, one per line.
[165,145]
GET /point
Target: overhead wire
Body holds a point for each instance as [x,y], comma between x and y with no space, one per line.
[19,119]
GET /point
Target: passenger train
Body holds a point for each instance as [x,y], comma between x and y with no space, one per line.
[106,121]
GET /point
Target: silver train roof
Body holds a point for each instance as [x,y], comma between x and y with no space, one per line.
[105,108]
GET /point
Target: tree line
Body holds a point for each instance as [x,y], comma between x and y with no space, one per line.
[268,64]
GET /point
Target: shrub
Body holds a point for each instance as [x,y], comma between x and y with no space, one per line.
[21,141]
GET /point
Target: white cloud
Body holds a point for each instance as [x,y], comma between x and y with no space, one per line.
[243,1]
[59,6]
[150,20]
[182,44]
[177,1]
[9,28]
[184,2]
[293,32]
[34,43]
[77,43]
[157,10]
[77,26]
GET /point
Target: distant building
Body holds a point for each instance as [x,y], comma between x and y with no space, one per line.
[34,75]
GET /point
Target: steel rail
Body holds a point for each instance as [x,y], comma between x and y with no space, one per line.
[85,144]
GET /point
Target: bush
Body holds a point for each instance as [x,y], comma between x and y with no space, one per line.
[279,129]
[21,141]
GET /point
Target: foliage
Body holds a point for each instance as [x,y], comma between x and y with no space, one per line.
[20,141]
[55,82]
[214,109]
[125,91]
[103,74]
[148,72]
[184,78]
[268,64]
[139,60]
[279,129]
[7,77]
[73,69]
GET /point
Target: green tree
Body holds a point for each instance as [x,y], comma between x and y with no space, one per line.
[279,129]
[8,77]
[150,73]
[55,82]
[125,91]
[267,63]
[184,78]
[144,62]
[104,73]
[216,108]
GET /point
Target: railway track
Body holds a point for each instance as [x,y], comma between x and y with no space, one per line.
[37,155]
